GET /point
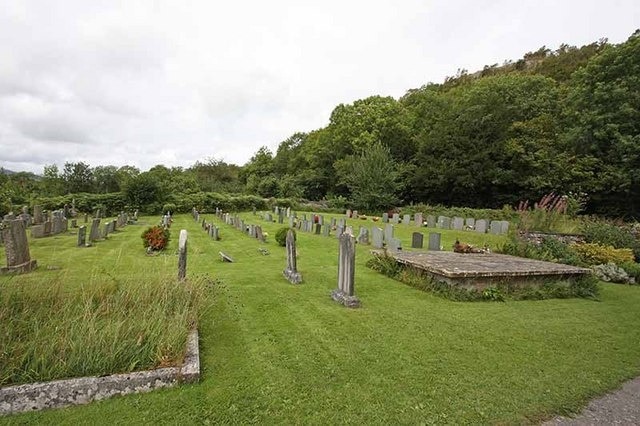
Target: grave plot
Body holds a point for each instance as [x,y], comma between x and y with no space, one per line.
[481,270]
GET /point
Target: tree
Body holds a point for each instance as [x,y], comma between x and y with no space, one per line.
[144,192]
[106,179]
[52,183]
[77,177]
[372,178]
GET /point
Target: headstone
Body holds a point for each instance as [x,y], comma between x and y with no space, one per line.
[377,237]
[47,228]
[457,223]
[225,257]
[321,220]
[406,219]
[444,222]
[495,227]
[469,223]
[107,228]
[344,294]
[291,221]
[86,217]
[326,230]
[16,247]
[418,219]
[481,226]
[318,228]
[268,217]
[395,219]
[431,221]
[348,230]
[348,213]
[182,255]
[259,234]
[291,272]
[363,235]
[37,231]
[504,229]
[388,233]
[339,231]
[94,235]
[385,217]
[288,211]
[37,214]
[281,216]
[82,236]
[354,214]
[74,223]
[394,245]
[417,240]
[25,216]
[333,222]
[434,241]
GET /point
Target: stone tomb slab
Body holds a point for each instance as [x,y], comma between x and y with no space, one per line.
[481,270]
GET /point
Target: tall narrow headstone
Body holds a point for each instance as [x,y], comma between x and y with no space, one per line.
[318,228]
[37,214]
[385,217]
[377,237]
[94,235]
[345,293]
[182,255]
[82,236]
[16,247]
[417,240]
[326,230]
[434,241]
[291,272]
[395,219]
[388,233]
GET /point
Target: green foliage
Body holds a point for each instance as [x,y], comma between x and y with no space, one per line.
[112,203]
[633,269]
[143,192]
[596,254]
[169,207]
[156,238]
[550,250]
[281,235]
[607,233]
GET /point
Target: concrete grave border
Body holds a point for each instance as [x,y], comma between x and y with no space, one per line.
[82,390]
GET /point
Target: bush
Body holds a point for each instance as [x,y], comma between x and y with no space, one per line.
[168,207]
[156,238]
[612,273]
[633,269]
[550,250]
[281,236]
[596,254]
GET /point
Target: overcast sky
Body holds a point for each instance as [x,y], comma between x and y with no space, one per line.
[172,82]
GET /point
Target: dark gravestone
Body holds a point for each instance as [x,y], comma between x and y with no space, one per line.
[82,235]
[291,272]
[417,240]
[16,247]
[318,228]
[94,235]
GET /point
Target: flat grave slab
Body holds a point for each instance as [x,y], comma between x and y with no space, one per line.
[482,269]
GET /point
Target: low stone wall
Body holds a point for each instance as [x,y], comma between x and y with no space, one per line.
[63,393]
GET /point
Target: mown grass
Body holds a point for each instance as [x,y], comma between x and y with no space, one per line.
[275,353]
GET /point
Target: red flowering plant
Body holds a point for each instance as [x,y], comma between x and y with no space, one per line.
[155,238]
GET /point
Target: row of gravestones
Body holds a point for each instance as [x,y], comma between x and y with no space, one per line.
[96,234]
[254,231]
[497,227]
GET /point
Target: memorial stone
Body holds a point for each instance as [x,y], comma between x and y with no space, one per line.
[434,241]
[417,240]
[344,294]
[291,272]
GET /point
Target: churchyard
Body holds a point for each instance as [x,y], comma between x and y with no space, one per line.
[283,341]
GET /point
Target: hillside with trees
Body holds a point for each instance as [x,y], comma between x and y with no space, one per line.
[565,121]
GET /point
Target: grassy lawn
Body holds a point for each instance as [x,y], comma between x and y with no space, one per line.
[272,352]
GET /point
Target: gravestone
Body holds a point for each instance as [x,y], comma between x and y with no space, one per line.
[291,272]
[417,240]
[37,231]
[288,211]
[259,234]
[74,223]
[349,230]
[469,223]
[333,222]
[268,217]
[495,227]
[418,219]
[395,219]
[25,216]
[344,294]
[47,228]
[318,228]
[385,217]
[431,221]
[377,237]
[434,241]
[326,230]
[291,221]
[406,219]
[363,236]
[388,233]
[394,245]
[444,222]
[16,247]
[481,226]
[82,236]
[354,214]
[504,229]
[37,214]
[339,231]
[94,235]
[280,217]
[321,220]
[457,223]
[225,257]
[107,227]
[86,217]
[182,255]
[348,213]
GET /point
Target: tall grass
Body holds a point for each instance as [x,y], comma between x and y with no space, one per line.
[51,331]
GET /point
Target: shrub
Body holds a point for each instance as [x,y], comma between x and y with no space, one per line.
[610,234]
[596,254]
[633,269]
[155,238]
[169,207]
[281,236]
[612,273]
[550,250]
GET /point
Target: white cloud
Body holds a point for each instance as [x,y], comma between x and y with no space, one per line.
[151,82]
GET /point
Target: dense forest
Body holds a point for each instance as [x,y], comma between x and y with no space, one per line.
[564,121]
